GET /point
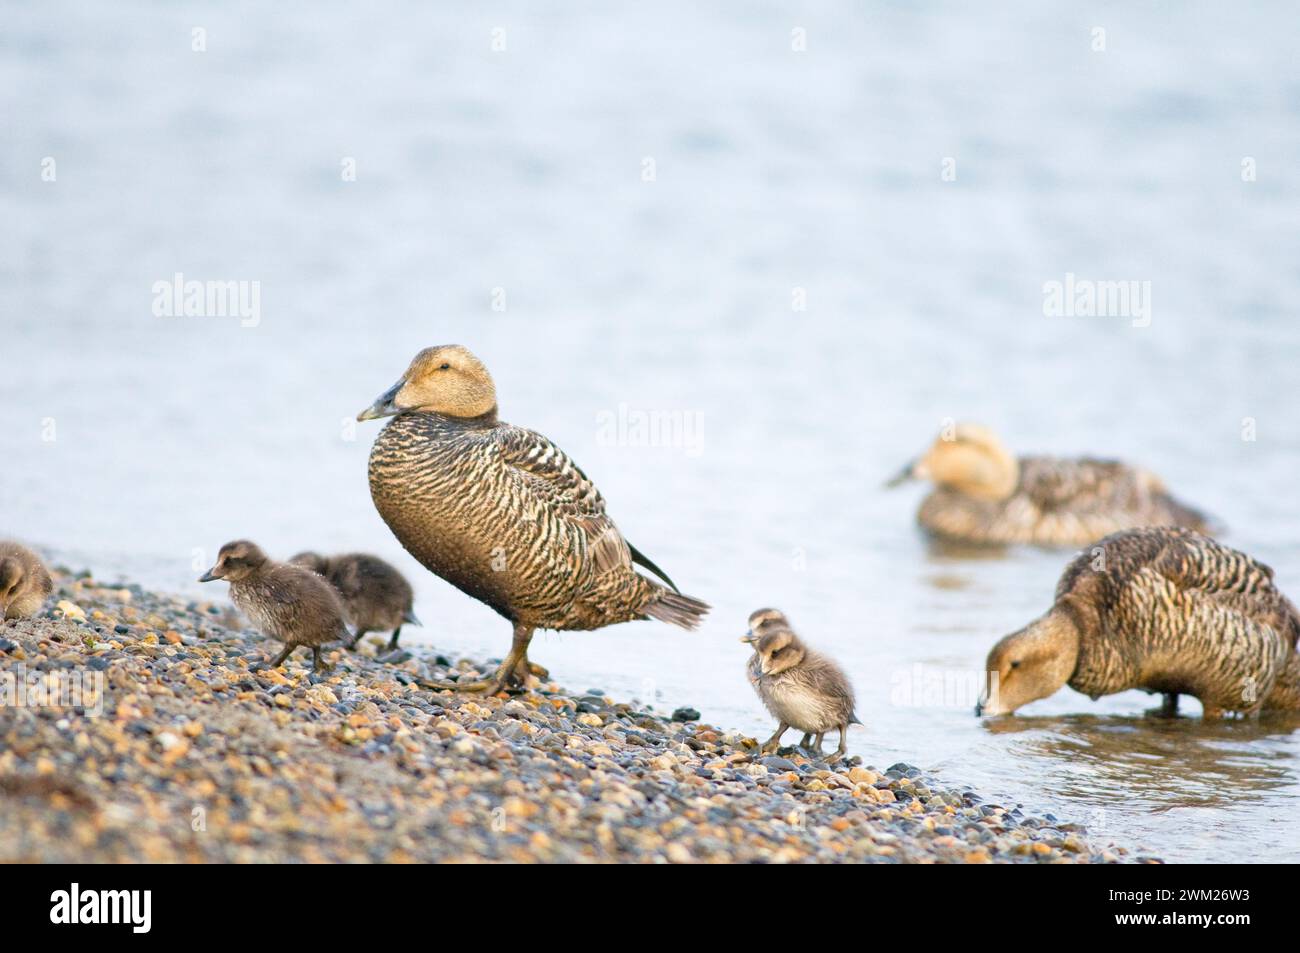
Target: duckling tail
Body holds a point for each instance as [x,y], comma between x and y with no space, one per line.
[676,608]
[410,617]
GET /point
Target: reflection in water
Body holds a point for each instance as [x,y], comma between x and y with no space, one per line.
[1158,762]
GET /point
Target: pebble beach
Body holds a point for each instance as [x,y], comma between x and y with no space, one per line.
[184,747]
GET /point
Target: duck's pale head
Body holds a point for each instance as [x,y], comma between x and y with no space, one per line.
[447,380]
[764,620]
[779,650]
[11,581]
[236,561]
[967,458]
[1030,664]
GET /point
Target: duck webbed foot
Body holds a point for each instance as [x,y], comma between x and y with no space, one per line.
[513,671]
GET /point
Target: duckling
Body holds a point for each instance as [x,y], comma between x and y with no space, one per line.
[760,622]
[503,514]
[376,596]
[800,687]
[1164,609]
[291,604]
[985,495]
[25,583]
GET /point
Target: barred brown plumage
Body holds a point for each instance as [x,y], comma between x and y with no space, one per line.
[502,513]
[1164,609]
[985,495]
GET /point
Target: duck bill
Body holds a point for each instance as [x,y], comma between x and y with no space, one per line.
[749,639]
[210,576]
[384,405]
[902,476]
[989,705]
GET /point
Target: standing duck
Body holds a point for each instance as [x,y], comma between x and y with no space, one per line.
[802,688]
[376,596]
[1163,609]
[25,583]
[289,603]
[985,495]
[503,514]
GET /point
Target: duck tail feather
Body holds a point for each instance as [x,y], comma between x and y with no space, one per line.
[410,617]
[677,609]
[642,560]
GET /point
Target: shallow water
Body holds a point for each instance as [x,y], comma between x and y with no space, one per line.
[137,444]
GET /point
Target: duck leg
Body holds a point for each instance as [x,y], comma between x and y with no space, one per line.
[806,740]
[817,744]
[317,661]
[356,639]
[279,659]
[1169,705]
[505,673]
[843,749]
[771,744]
[392,643]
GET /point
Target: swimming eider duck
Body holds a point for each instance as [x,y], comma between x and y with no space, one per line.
[375,594]
[983,494]
[25,583]
[503,514]
[1163,609]
[802,688]
[290,604]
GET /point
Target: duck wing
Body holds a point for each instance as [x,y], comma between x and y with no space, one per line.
[1055,484]
[560,489]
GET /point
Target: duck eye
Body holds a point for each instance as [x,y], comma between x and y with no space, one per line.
[1016,663]
[445,367]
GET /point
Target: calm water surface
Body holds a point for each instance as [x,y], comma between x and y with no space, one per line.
[778,177]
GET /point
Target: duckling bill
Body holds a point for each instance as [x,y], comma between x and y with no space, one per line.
[802,688]
[983,494]
[25,583]
[1163,609]
[503,514]
[375,594]
[288,603]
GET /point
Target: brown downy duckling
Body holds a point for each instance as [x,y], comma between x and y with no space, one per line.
[760,622]
[503,514]
[25,583]
[290,604]
[983,494]
[376,596]
[802,688]
[1162,609]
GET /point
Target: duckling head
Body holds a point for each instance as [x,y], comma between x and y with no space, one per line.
[237,560]
[779,651]
[11,580]
[969,459]
[313,561]
[1030,664]
[761,620]
[446,380]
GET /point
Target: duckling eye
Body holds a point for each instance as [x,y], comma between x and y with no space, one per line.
[1016,663]
[445,367]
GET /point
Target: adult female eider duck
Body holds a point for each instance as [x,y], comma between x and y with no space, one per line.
[1162,609]
[985,495]
[375,594]
[503,514]
[25,583]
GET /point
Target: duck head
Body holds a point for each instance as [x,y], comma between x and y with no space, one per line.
[1030,664]
[313,561]
[969,459]
[446,380]
[237,560]
[779,650]
[11,581]
[761,620]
